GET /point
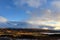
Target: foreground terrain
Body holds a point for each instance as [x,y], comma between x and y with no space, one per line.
[29,34]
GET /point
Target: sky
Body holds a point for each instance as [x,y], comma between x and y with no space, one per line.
[36,12]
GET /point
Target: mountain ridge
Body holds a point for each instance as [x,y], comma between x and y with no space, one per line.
[15,24]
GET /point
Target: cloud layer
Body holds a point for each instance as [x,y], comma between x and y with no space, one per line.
[55,4]
[43,12]
[31,3]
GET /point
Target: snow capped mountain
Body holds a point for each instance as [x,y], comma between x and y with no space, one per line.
[14,24]
[46,27]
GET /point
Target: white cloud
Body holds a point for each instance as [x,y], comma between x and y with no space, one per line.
[8,7]
[55,4]
[2,19]
[34,3]
[53,23]
[31,3]
[48,18]
[43,16]
[28,12]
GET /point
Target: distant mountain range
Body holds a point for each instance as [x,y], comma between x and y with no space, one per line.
[13,24]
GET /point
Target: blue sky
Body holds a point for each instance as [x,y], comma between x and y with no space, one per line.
[40,12]
[9,10]
[16,9]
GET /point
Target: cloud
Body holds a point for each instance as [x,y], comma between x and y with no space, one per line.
[38,16]
[55,4]
[28,12]
[30,3]
[2,19]
[8,7]
[46,17]
[34,3]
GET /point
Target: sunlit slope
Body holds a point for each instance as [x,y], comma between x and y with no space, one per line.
[21,32]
